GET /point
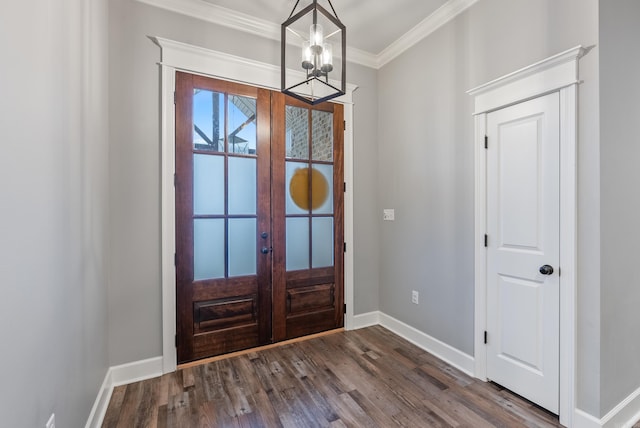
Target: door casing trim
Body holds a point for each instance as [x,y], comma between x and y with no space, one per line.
[558,73]
[178,56]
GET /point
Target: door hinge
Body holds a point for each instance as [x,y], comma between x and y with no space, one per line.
[345,247]
[485,337]
[486,142]
[174,97]
[176,340]
[344,123]
[486,240]
[175,259]
[345,187]
[345,308]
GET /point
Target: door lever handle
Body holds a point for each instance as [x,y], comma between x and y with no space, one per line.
[546,270]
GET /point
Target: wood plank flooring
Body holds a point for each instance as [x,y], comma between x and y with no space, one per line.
[362,378]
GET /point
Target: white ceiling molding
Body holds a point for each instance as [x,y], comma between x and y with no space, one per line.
[209,12]
[219,15]
[431,23]
[241,21]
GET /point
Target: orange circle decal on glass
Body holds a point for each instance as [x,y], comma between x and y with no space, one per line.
[299,188]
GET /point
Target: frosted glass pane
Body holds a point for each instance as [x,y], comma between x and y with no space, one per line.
[297,188]
[242,125]
[322,242]
[322,189]
[208,120]
[208,184]
[322,135]
[297,132]
[208,249]
[297,243]
[242,246]
[242,186]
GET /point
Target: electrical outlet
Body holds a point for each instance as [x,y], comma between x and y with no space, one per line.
[388,214]
[51,423]
[415,297]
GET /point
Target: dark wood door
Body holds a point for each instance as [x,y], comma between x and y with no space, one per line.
[222,208]
[307,203]
[242,187]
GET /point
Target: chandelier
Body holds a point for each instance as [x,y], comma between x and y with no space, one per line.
[308,40]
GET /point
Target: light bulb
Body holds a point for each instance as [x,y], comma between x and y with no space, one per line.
[307,56]
[327,58]
[316,37]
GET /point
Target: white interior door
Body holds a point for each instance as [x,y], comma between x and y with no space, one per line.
[523,213]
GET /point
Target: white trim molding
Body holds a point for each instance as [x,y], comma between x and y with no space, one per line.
[366,320]
[121,375]
[558,73]
[624,415]
[535,80]
[100,405]
[443,351]
[431,23]
[180,56]
[219,15]
[435,347]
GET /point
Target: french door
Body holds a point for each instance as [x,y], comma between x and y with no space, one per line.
[259,217]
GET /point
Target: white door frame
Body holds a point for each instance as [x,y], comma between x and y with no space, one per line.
[558,73]
[177,56]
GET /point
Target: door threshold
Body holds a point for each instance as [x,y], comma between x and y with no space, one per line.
[257,349]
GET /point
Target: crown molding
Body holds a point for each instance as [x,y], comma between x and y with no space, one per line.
[431,23]
[358,56]
[209,12]
[240,21]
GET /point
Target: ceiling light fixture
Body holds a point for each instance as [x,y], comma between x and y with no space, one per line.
[313,31]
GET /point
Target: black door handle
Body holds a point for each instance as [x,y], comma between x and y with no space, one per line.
[546,270]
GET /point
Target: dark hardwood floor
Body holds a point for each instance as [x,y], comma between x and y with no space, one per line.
[363,378]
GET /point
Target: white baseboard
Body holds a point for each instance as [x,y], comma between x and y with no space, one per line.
[582,419]
[136,371]
[366,320]
[99,408]
[446,353]
[121,375]
[625,414]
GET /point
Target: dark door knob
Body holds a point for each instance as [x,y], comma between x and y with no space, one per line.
[546,270]
[265,250]
[264,235]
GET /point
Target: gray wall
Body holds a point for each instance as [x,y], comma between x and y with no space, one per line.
[53,182]
[426,169]
[135,292]
[620,210]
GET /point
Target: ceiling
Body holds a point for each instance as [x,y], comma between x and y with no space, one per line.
[372,25]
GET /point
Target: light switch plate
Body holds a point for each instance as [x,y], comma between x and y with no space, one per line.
[388,214]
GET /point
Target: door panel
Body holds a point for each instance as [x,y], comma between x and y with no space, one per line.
[222,207]
[308,217]
[523,228]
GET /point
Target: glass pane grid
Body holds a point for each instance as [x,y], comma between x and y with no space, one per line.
[241,126]
[297,132]
[208,120]
[224,186]
[322,136]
